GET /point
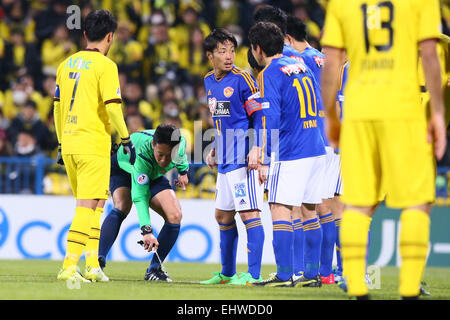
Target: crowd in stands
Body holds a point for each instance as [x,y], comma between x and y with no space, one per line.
[158,48]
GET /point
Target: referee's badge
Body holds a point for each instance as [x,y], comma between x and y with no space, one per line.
[142,178]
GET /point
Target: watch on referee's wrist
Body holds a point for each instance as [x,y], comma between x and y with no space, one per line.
[146,230]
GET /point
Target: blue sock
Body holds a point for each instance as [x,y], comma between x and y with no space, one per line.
[166,239]
[109,231]
[255,243]
[228,248]
[328,240]
[312,246]
[283,238]
[298,247]
[337,223]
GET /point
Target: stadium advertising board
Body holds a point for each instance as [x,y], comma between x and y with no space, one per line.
[35,227]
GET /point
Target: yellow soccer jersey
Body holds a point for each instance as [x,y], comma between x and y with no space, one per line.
[381,39]
[85,83]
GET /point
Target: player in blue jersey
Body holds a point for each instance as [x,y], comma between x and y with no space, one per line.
[233,101]
[297,47]
[294,143]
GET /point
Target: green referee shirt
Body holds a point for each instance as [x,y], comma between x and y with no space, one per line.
[146,169]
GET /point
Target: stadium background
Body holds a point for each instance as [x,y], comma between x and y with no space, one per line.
[158,49]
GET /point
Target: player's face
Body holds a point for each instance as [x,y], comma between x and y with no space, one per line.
[223,57]
[163,154]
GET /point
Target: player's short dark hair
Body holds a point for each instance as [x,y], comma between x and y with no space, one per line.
[167,134]
[271,14]
[296,28]
[268,36]
[252,61]
[98,24]
[219,35]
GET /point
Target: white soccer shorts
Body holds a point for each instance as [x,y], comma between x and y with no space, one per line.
[290,182]
[339,186]
[331,175]
[239,190]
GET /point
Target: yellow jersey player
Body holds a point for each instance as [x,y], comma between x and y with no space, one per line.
[385,142]
[87,98]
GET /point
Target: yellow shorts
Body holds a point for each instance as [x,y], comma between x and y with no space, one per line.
[88,175]
[387,157]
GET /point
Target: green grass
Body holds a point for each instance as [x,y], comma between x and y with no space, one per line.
[36,279]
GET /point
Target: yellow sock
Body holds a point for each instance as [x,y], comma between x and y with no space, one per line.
[354,234]
[77,236]
[91,251]
[414,237]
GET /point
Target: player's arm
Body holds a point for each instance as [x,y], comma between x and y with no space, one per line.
[57,115]
[428,34]
[182,165]
[432,72]
[252,105]
[110,91]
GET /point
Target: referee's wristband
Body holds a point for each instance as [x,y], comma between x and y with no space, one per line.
[146,230]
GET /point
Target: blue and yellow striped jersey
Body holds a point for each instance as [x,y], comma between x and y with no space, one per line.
[233,101]
[290,99]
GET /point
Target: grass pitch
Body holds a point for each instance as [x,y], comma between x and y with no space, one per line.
[36,280]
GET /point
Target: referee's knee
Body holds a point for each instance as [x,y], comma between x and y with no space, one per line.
[174,216]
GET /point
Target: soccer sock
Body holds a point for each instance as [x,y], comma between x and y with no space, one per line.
[283,238]
[414,237]
[328,240]
[166,239]
[337,223]
[255,243]
[228,248]
[91,250]
[311,247]
[78,236]
[109,231]
[354,236]
[297,253]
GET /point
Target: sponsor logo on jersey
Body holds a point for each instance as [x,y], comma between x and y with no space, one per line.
[77,63]
[212,102]
[222,109]
[228,92]
[292,69]
[142,178]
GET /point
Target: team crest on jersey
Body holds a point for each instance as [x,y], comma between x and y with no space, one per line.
[222,109]
[239,190]
[142,178]
[212,103]
[319,61]
[292,69]
[228,92]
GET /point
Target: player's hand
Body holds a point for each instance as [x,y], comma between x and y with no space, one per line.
[253,158]
[211,159]
[59,158]
[263,173]
[333,131]
[128,148]
[437,134]
[182,181]
[150,242]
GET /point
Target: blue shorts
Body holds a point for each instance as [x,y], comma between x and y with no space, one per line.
[121,178]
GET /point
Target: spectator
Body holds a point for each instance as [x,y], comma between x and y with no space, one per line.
[22,57]
[47,21]
[193,57]
[301,12]
[135,122]
[161,55]
[5,145]
[241,59]
[227,13]
[126,51]
[17,16]
[28,121]
[56,49]
[133,96]
[25,145]
[21,91]
[45,105]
